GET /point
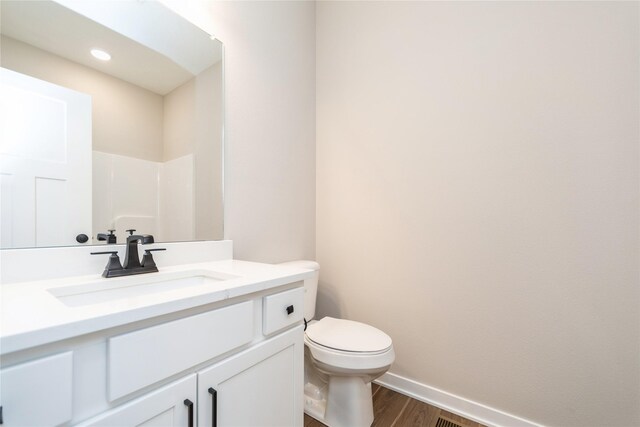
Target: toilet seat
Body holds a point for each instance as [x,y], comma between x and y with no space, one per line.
[348,336]
[349,345]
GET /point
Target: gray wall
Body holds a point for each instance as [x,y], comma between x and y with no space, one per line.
[477,191]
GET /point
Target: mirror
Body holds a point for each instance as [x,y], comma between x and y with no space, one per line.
[90,145]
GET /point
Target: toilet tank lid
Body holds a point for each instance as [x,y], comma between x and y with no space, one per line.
[308,265]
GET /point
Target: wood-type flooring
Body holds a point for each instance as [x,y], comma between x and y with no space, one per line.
[392,409]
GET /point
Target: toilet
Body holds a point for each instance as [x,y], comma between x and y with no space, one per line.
[341,359]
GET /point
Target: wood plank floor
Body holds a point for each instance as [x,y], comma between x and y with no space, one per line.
[392,409]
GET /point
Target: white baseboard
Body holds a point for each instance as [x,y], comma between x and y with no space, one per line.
[450,402]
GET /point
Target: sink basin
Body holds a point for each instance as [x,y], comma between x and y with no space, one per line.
[105,290]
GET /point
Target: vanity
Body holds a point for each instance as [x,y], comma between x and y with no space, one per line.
[135,142]
[215,342]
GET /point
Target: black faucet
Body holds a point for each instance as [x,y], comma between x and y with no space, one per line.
[109,238]
[132,264]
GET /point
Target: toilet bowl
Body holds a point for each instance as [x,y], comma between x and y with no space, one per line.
[342,357]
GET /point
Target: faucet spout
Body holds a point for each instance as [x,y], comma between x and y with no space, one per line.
[131,258]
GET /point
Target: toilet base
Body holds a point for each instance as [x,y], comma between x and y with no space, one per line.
[344,402]
[349,402]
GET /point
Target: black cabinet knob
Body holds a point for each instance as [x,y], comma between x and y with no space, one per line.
[289,309]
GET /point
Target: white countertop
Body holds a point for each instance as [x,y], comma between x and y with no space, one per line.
[32,315]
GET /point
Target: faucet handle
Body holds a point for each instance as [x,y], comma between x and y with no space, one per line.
[105,252]
[113,264]
[147,258]
[131,231]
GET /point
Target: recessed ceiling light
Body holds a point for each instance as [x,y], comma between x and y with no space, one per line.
[100,54]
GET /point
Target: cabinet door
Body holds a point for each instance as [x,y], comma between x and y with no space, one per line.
[259,387]
[163,407]
[37,393]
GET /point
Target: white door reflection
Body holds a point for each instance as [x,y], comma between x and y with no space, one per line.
[45,162]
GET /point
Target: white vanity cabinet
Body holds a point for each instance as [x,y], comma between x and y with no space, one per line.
[259,386]
[237,362]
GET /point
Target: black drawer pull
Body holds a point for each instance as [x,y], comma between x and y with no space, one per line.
[289,310]
[190,406]
[214,407]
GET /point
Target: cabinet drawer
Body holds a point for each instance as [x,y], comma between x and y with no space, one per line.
[282,310]
[143,357]
[37,393]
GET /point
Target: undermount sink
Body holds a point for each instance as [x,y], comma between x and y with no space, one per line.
[105,290]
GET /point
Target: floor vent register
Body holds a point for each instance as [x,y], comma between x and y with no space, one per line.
[444,422]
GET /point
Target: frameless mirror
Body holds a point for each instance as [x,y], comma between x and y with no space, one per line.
[111,117]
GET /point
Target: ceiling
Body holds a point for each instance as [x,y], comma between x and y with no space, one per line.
[180,50]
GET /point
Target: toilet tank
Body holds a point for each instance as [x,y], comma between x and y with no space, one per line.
[310,285]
